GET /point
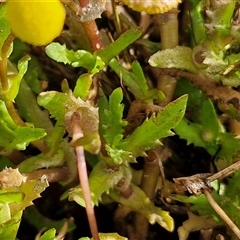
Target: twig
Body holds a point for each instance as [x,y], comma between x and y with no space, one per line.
[221,213]
[225,172]
[83,177]
[222,94]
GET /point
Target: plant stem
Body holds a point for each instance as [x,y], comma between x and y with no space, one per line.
[148,184]
[168,23]
[83,177]
[91,30]
[221,213]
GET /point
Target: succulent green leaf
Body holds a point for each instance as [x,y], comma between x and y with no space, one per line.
[113,49]
[139,202]
[80,58]
[101,180]
[147,135]
[179,57]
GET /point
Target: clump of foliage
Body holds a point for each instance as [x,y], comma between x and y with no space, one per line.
[105,130]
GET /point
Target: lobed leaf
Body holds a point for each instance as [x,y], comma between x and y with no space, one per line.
[139,202]
[63,105]
[101,180]
[111,116]
[136,81]
[147,135]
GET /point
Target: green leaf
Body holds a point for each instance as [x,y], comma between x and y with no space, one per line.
[136,81]
[147,135]
[5,29]
[82,88]
[15,79]
[63,105]
[11,197]
[31,190]
[80,58]
[49,235]
[192,132]
[197,22]
[139,202]
[42,161]
[101,180]
[14,136]
[113,49]
[179,57]
[210,122]
[106,236]
[229,145]
[195,98]
[10,228]
[114,124]
[128,78]
[39,221]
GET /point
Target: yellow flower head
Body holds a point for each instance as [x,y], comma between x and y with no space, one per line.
[36,22]
[152,6]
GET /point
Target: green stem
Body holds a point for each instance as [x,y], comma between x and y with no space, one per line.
[168,23]
[148,185]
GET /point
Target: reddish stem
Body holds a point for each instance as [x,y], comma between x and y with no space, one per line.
[83,177]
[83,3]
[91,30]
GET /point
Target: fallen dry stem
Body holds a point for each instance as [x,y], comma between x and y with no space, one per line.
[221,213]
[222,94]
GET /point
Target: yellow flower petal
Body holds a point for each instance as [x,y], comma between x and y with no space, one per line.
[36,22]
